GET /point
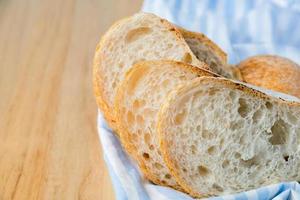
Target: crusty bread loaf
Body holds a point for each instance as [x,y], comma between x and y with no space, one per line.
[272,72]
[137,103]
[142,36]
[220,137]
[210,53]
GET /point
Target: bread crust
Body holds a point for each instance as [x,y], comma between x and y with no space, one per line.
[98,80]
[126,139]
[172,98]
[204,39]
[272,72]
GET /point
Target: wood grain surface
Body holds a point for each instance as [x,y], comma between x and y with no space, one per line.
[49,148]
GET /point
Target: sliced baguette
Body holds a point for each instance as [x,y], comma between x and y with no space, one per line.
[137,103]
[220,137]
[142,36]
[272,72]
[210,53]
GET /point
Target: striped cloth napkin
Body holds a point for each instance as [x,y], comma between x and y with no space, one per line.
[242,28]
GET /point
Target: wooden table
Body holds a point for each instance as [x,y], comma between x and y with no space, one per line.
[49,148]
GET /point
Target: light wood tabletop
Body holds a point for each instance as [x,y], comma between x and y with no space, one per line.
[49,148]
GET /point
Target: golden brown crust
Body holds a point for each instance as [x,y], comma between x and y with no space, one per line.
[125,135]
[179,33]
[173,97]
[205,40]
[103,106]
[272,72]
[233,72]
[97,79]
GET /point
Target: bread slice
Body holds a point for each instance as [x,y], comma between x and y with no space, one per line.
[137,103]
[142,36]
[272,72]
[210,53]
[220,137]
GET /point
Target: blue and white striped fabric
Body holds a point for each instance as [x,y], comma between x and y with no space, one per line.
[242,28]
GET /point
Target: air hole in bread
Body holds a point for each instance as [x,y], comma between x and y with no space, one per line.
[211,150]
[243,139]
[114,85]
[213,65]
[249,162]
[221,143]
[151,147]
[206,134]
[139,132]
[138,104]
[217,187]
[187,58]
[130,117]
[212,91]
[235,125]
[140,120]
[137,33]
[167,176]
[225,164]
[286,158]
[269,105]
[279,132]
[158,166]
[184,170]
[193,149]
[179,118]
[165,83]
[257,116]
[198,128]
[195,142]
[147,138]
[146,156]
[203,171]
[232,95]
[244,108]
[164,182]
[133,136]
[169,45]
[237,155]
[268,163]
[235,169]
